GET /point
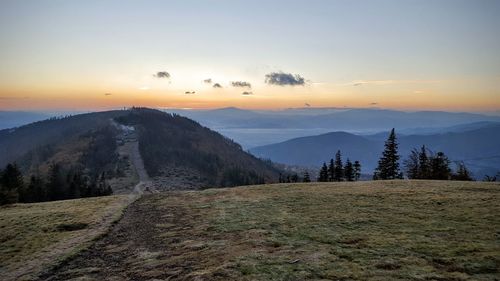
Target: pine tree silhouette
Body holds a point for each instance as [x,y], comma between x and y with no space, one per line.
[339,168]
[388,165]
[323,173]
[348,170]
[357,170]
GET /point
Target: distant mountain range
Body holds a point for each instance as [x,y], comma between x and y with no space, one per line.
[304,136]
[11,119]
[477,144]
[252,128]
[257,128]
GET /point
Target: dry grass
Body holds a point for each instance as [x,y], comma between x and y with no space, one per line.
[35,236]
[391,230]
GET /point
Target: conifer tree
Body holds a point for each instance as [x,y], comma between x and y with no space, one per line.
[306,178]
[411,165]
[462,173]
[323,173]
[331,170]
[388,165]
[439,167]
[357,170]
[348,170]
[36,190]
[55,184]
[339,167]
[11,184]
[423,164]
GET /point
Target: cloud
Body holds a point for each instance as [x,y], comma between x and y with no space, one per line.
[217,85]
[373,103]
[247,93]
[307,105]
[208,81]
[241,84]
[107,94]
[284,79]
[189,93]
[162,74]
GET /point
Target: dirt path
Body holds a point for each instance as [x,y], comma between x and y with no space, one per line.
[129,137]
[113,212]
[45,258]
[132,250]
[145,184]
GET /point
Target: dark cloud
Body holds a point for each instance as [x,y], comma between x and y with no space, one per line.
[247,93]
[189,93]
[208,81]
[285,79]
[162,74]
[217,85]
[241,84]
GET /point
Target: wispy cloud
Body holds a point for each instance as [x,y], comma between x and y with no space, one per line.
[241,84]
[284,79]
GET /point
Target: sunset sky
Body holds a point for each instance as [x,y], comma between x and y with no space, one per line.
[411,55]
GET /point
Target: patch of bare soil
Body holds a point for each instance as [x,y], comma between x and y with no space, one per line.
[132,250]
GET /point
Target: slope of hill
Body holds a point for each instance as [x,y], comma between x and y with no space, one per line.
[478,148]
[36,236]
[177,152]
[314,150]
[172,145]
[11,119]
[384,230]
[16,142]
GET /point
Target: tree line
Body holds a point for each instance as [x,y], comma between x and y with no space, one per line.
[59,184]
[337,171]
[420,164]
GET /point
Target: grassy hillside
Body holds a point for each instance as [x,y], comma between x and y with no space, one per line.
[384,230]
[44,137]
[174,147]
[35,236]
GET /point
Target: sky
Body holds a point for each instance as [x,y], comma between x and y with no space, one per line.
[408,55]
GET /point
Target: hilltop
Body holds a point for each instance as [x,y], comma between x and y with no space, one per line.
[177,153]
[382,230]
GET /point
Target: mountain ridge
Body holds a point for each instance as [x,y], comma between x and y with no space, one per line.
[478,148]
